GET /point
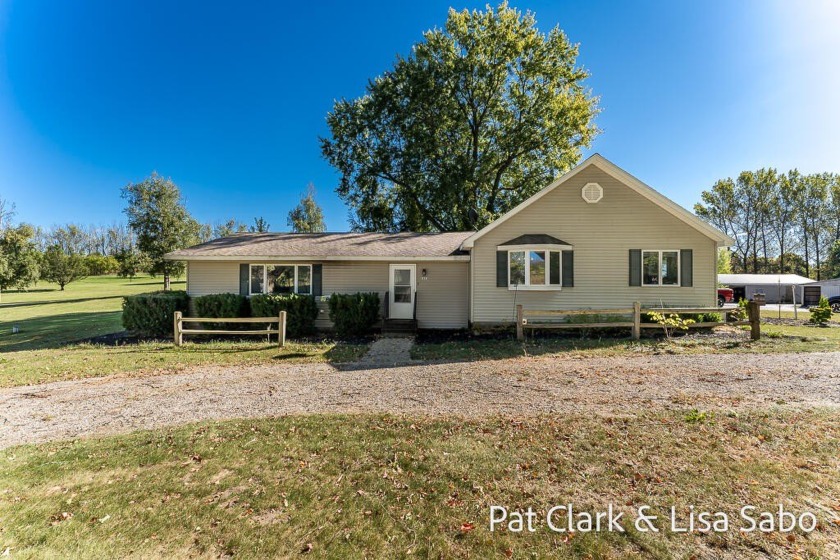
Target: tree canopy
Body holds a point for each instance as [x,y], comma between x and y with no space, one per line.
[781,222]
[482,114]
[307,216]
[157,216]
[62,267]
[20,256]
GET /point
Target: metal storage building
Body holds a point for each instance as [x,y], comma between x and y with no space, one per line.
[777,288]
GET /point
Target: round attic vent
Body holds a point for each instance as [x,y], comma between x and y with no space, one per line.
[592,192]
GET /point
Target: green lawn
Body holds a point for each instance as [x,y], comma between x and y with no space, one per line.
[88,308]
[53,322]
[379,486]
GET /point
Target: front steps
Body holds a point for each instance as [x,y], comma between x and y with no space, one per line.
[399,327]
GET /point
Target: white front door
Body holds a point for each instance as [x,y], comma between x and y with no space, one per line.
[402,286]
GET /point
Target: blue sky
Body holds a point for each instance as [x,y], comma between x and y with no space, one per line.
[229,99]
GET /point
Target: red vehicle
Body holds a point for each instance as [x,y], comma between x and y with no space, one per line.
[725,295]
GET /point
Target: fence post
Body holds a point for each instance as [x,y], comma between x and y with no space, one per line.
[754,312]
[281,329]
[179,336]
[520,315]
[637,320]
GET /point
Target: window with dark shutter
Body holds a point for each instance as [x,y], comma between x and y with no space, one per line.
[317,280]
[501,269]
[686,268]
[244,277]
[635,267]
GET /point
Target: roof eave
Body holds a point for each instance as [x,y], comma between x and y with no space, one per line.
[311,258]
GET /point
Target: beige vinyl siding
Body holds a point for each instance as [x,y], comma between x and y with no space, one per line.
[443,298]
[602,235]
[212,277]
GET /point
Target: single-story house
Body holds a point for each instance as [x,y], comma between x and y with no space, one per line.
[777,288]
[596,237]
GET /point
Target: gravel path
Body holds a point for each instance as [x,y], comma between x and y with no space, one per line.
[513,387]
[387,351]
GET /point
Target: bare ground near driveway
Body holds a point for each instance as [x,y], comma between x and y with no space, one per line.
[523,386]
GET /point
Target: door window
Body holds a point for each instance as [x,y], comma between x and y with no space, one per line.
[402,285]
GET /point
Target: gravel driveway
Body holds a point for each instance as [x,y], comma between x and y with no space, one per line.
[511,387]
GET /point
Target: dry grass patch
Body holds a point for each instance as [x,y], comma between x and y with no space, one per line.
[379,486]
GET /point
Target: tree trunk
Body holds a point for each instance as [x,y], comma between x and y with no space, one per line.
[807,256]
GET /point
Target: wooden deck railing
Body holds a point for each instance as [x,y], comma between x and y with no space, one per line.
[280,320]
[634,318]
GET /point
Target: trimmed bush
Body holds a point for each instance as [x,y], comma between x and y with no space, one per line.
[354,314]
[301,311]
[821,314]
[221,306]
[152,314]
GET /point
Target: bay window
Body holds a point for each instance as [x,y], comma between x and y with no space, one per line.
[535,267]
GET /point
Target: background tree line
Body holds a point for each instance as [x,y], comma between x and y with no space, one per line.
[157,222]
[781,222]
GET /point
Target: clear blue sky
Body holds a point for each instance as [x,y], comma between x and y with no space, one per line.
[229,99]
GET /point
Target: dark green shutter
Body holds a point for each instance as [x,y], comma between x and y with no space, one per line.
[635,267]
[554,268]
[568,269]
[686,268]
[501,269]
[317,274]
[244,277]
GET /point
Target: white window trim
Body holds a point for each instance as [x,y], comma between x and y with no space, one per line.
[265,277]
[548,249]
[659,267]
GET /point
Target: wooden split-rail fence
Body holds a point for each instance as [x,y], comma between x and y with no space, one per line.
[280,331]
[537,318]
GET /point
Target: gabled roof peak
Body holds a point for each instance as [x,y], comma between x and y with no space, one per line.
[619,174]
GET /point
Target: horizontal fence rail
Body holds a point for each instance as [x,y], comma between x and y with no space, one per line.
[280,320]
[634,322]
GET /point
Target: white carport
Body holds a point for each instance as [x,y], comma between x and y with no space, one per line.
[777,288]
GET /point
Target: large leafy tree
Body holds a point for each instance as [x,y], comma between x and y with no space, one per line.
[160,222]
[482,114]
[62,267]
[307,216]
[21,259]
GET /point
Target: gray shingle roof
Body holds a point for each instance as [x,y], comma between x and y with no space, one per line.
[328,246]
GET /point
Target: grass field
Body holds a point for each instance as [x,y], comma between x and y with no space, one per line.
[88,308]
[379,486]
[53,322]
